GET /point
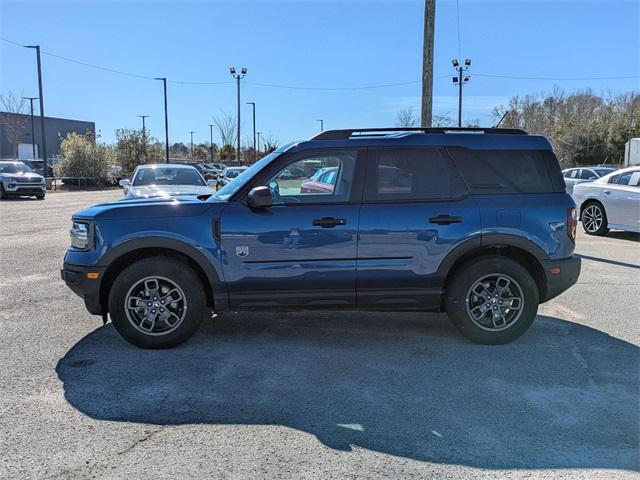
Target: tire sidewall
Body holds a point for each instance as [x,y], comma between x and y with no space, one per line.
[176,271]
[603,228]
[472,271]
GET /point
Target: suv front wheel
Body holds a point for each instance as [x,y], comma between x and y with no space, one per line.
[492,300]
[157,302]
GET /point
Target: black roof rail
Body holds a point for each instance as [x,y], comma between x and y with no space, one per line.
[374,132]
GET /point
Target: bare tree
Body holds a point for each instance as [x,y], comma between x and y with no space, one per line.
[14,125]
[406,117]
[226,126]
[442,120]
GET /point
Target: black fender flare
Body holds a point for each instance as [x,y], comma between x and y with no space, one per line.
[216,285]
[488,240]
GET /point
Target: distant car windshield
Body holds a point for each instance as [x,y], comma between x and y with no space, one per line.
[237,183]
[167,176]
[233,172]
[604,171]
[17,167]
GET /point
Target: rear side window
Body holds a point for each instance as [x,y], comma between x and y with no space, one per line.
[509,171]
[412,174]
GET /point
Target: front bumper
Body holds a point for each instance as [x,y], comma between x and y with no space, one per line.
[24,189]
[560,275]
[75,276]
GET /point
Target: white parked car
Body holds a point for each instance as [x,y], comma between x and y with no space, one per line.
[610,202]
[164,180]
[574,176]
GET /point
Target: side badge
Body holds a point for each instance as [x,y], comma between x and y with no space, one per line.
[242,251]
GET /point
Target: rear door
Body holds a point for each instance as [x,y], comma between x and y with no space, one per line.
[621,199]
[415,211]
[302,250]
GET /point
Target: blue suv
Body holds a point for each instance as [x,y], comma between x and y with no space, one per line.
[473,222]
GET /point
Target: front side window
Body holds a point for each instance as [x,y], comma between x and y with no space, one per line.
[413,174]
[587,174]
[317,178]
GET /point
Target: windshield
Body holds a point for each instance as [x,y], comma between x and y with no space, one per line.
[167,176]
[237,183]
[17,167]
[233,172]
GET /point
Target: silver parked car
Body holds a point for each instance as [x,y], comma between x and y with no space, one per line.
[610,202]
[574,176]
[166,180]
[19,180]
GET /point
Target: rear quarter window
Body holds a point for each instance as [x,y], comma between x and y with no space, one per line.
[509,171]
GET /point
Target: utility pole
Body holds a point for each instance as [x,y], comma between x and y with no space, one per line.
[33,127]
[43,137]
[258,133]
[192,132]
[144,130]
[144,138]
[253,104]
[211,140]
[238,77]
[460,80]
[427,62]
[166,119]
[321,124]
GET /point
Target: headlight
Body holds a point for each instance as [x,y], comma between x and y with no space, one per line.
[80,235]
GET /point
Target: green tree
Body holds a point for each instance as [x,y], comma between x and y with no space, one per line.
[226,152]
[133,148]
[82,156]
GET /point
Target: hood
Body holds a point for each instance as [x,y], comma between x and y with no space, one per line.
[24,175]
[148,191]
[161,206]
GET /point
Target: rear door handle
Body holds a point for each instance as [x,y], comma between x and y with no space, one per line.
[445,219]
[329,222]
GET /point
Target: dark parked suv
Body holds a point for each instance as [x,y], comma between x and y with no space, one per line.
[474,222]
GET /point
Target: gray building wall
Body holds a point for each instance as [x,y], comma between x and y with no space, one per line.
[55,128]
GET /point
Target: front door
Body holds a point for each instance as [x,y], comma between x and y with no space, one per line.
[415,211]
[301,251]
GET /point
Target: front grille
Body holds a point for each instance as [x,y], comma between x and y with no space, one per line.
[27,180]
[28,190]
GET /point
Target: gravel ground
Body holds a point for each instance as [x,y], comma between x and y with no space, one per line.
[322,395]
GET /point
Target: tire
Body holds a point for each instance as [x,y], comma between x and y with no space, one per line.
[164,275]
[594,219]
[40,196]
[3,194]
[488,275]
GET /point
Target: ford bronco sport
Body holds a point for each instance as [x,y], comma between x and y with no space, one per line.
[472,222]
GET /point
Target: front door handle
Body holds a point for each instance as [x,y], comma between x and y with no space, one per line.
[607,192]
[445,219]
[329,222]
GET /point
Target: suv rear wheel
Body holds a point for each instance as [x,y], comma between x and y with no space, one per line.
[594,219]
[492,300]
[157,302]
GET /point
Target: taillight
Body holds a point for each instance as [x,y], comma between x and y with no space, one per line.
[572,223]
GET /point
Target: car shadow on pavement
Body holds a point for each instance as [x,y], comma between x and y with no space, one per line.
[562,396]
[632,236]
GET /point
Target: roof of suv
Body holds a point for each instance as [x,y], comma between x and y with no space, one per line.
[474,138]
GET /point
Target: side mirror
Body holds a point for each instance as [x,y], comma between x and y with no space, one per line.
[124,183]
[259,197]
[212,182]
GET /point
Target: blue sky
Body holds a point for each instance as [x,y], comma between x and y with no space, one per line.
[306,44]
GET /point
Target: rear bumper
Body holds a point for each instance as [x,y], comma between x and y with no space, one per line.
[75,276]
[560,275]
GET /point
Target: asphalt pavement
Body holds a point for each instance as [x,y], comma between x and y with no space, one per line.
[313,395]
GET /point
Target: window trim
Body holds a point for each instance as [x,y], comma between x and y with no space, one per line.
[288,158]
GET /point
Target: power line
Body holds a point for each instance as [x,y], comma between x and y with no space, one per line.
[313,88]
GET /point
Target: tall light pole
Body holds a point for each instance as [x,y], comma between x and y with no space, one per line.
[144,129]
[238,77]
[144,137]
[192,132]
[33,127]
[253,104]
[427,62]
[211,140]
[460,80]
[43,137]
[166,119]
[321,124]
[258,134]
